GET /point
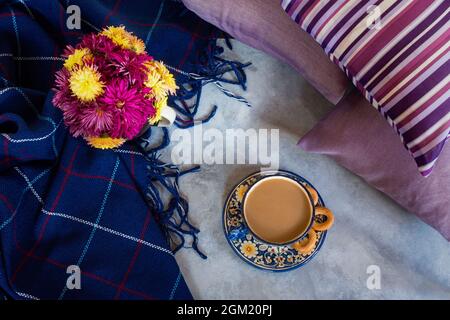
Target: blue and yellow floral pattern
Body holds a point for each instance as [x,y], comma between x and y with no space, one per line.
[253,250]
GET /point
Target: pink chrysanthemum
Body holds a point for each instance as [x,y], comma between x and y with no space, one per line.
[126,63]
[98,44]
[86,119]
[71,115]
[62,90]
[96,119]
[68,50]
[102,48]
[130,108]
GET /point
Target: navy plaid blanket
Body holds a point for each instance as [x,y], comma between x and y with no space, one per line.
[63,203]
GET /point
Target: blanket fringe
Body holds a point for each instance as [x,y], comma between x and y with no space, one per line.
[210,69]
[164,177]
[173,217]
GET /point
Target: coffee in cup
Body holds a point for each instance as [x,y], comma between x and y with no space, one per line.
[278,210]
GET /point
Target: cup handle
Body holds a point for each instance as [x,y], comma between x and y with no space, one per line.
[322,226]
[306,245]
[168,116]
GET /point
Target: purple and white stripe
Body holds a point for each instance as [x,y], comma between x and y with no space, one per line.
[397,53]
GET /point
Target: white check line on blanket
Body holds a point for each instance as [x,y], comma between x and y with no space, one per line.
[35,110]
[117,233]
[39,176]
[91,25]
[27,296]
[42,58]
[27,8]
[38,58]
[128,151]
[32,139]
[175,286]
[4,81]
[16,31]
[30,185]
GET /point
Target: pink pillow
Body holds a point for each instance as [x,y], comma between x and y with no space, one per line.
[264,25]
[356,136]
[397,54]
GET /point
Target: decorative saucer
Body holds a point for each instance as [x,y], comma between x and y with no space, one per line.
[252,250]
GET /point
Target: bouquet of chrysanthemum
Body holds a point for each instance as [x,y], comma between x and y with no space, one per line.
[110,88]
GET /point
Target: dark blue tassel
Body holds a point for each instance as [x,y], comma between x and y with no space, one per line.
[210,69]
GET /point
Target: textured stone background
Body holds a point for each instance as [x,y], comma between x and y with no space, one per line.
[370,229]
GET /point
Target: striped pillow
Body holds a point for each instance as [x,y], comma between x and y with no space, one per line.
[397,54]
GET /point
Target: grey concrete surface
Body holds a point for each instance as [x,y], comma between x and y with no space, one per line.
[370,229]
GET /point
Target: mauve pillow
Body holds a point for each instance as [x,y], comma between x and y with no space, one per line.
[264,25]
[397,54]
[357,137]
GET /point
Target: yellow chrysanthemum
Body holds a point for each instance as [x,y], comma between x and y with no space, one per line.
[137,45]
[166,77]
[125,39]
[169,83]
[85,83]
[159,65]
[160,80]
[152,78]
[159,105]
[118,35]
[158,68]
[159,91]
[76,58]
[105,142]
